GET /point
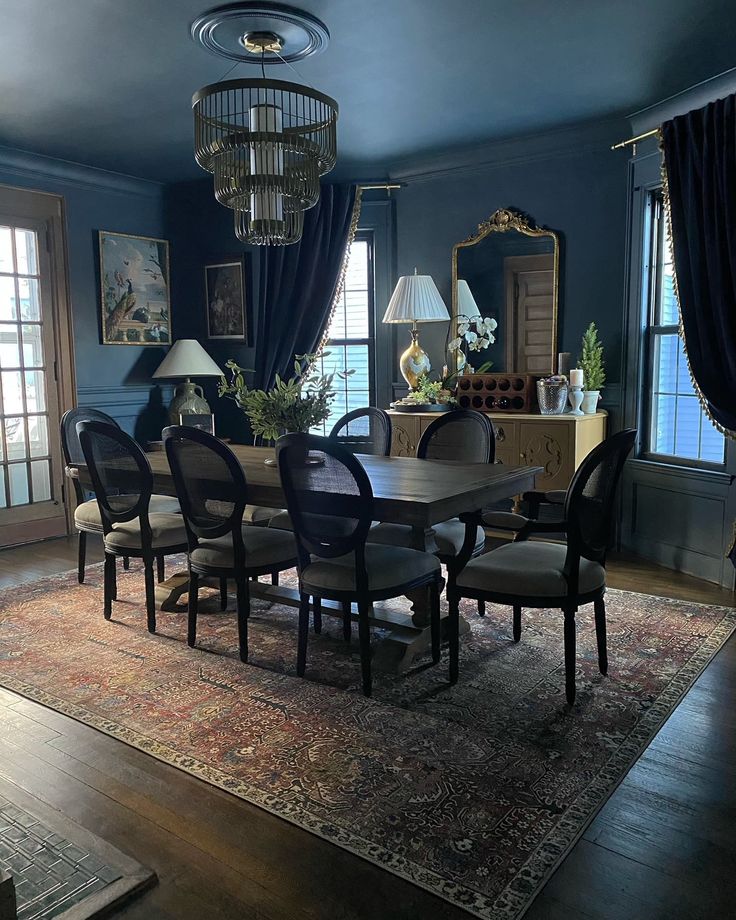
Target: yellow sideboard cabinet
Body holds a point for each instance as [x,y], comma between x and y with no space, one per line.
[555,442]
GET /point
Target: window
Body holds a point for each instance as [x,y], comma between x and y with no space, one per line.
[677,428]
[351,336]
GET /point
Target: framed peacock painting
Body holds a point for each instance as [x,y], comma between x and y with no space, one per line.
[134,282]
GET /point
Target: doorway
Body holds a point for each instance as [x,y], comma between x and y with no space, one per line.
[529,285]
[36,366]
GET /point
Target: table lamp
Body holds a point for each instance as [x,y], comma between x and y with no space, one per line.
[415,300]
[187,359]
[466,305]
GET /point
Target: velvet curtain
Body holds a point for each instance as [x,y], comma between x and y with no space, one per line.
[700,164]
[299,283]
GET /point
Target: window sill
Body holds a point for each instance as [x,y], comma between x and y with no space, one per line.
[710,475]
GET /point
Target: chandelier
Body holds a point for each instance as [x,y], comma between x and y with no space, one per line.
[265,142]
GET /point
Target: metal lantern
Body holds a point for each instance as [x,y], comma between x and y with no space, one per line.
[266,142]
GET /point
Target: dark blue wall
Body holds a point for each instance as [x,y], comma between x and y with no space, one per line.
[114,378]
[581,192]
[201,231]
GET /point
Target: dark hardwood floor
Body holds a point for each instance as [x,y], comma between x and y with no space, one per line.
[664,846]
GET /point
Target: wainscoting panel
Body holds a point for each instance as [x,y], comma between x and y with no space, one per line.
[678,518]
[139,410]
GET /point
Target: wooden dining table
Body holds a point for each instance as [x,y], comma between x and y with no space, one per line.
[417,493]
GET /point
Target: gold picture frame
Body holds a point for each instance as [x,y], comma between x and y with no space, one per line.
[135,300]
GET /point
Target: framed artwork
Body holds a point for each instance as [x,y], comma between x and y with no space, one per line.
[204,421]
[225,293]
[134,281]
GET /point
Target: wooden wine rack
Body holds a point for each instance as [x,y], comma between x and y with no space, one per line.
[497,392]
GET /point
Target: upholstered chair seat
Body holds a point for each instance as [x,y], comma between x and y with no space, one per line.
[448,535]
[263,548]
[387,567]
[167,530]
[534,569]
[87,515]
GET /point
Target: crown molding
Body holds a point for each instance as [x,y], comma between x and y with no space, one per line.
[35,166]
[694,97]
[575,140]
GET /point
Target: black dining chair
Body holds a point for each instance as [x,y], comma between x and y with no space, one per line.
[461,435]
[87,512]
[364,431]
[123,484]
[544,574]
[213,494]
[334,560]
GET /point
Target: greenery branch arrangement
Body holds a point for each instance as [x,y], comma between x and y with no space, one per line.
[591,360]
[294,405]
[431,392]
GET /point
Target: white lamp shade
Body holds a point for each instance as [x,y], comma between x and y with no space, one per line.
[416,299]
[187,358]
[466,305]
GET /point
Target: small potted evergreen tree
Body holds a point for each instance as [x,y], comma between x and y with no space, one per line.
[594,375]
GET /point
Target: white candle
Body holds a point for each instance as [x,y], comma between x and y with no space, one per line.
[576,377]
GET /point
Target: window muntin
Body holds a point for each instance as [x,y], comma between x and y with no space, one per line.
[677,429]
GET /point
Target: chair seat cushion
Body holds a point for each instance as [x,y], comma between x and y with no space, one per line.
[448,535]
[335,525]
[504,520]
[167,531]
[258,514]
[87,515]
[528,570]
[264,548]
[387,567]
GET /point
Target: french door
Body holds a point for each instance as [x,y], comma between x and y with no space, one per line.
[32,340]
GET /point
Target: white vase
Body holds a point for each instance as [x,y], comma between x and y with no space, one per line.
[590,402]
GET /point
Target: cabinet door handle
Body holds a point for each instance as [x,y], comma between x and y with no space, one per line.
[500,434]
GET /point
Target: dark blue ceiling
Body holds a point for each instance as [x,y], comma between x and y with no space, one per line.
[109,82]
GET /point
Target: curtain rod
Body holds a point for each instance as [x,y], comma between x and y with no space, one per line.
[634,140]
[380,185]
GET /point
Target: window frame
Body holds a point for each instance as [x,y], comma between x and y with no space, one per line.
[366,236]
[655,238]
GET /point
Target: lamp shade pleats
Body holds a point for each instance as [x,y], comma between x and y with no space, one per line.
[416,299]
[466,305]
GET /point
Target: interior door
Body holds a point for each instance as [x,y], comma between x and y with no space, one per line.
[529,284]
[31,468]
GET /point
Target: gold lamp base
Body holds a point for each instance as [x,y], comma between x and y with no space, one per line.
[414,363]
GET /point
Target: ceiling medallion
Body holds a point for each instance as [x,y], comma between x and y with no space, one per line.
[266,142]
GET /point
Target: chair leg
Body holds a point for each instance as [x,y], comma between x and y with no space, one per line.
[223,594]
[126,563]
[108,584]
[160,569]
[274,578]
[453,633]
[114,580]
[82,556]
[242,595]
[600,635]
[150,594]
[481,608]
[317,614]
[192,608]
[570,654]
[364,635]
[434,614]
[347,622]
[303,634]
[517,624]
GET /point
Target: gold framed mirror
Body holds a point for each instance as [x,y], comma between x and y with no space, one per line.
[509,270]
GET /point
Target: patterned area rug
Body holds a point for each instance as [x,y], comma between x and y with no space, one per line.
[475,792]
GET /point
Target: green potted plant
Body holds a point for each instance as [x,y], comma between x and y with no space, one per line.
[294,405]
[594,375]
